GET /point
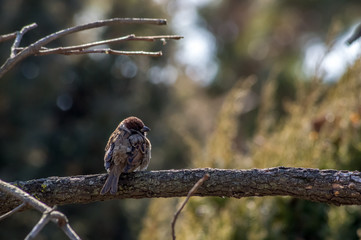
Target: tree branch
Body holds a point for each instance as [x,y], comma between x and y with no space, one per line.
[19,36]
[131,37]
[325,186]
[48,213]
[45,218]
[7,37]
[8,214]
[35,48]
[105,51]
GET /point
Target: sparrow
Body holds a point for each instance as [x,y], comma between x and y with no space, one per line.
[128,149]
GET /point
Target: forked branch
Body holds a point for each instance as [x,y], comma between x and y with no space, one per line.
[49,214]
[38,48]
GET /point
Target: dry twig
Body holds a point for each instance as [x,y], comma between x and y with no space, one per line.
[190,193]
[45,218]
[48,213]
[37,48]
[106,51]
[19,36]
[8,214]
[131,37]
[7,37]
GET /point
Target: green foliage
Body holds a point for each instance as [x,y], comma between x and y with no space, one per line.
[320,131]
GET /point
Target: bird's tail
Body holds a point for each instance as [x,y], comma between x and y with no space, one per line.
[111,184]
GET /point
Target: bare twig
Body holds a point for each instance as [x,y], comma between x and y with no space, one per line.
[64,224]
[101,23]
[55,216]
[39,226]
[52,215]
[131,37]
[190,193]
[8,214]
[7,37]
[34,48]
[106,51]
[19,36]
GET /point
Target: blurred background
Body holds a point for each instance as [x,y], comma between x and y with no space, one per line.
[253,84]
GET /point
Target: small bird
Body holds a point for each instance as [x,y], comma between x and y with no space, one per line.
[128,149]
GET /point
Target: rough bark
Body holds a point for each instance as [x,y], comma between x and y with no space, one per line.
[326,186]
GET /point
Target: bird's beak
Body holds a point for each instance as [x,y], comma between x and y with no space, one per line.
[145,129]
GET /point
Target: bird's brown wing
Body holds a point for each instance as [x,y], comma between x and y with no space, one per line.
[115,158]
[116,150]
[139,154]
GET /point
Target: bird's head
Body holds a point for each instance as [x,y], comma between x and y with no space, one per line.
[135,124]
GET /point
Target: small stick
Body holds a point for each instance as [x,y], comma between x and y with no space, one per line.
[45,218]
[8,214]
[34,48]
[190,193]
[19,36]
[7,37]
[131,37]
[106,51]
[48,213]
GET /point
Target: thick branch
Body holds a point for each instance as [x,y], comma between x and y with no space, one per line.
[326,186]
